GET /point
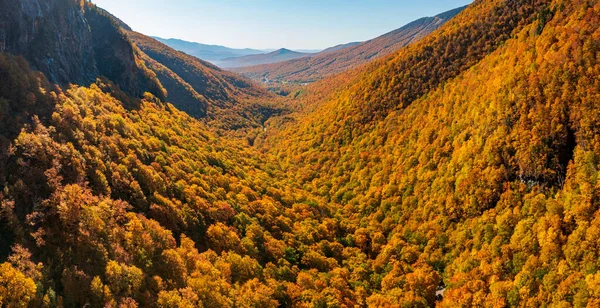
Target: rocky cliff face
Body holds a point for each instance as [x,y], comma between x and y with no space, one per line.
[52,35]
[73,41]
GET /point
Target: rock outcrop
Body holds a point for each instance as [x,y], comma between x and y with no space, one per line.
[52,35]
[73,42]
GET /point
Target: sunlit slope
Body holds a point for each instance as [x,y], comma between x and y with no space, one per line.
[487,179]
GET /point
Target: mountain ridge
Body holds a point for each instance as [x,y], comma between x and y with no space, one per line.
[278,55]
[310,69]
[88,44]
[339,47]
[207,52]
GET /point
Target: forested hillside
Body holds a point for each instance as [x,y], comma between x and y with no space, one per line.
[203,90]
[460,171]
[485,182]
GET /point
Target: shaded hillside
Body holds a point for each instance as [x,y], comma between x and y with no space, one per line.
[204,90]
[29,28]
[116,57]
[73,42]
[266,58]
[326,63]
[211,53]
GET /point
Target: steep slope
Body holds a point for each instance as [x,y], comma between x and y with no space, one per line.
[327,63]
[370,92]
[73,42]
[210,53]
[204,90]
[27,28]
[266,58]
[483,186]
[116,58]
[90,43]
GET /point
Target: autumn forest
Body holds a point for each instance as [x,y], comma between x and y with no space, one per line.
[452,163]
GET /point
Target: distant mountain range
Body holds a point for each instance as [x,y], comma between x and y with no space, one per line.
[302,66]
[228,57]
[210,53]
[266,58]
[339,47]
[340,58]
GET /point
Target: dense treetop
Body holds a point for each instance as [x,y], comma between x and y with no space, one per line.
[490,178]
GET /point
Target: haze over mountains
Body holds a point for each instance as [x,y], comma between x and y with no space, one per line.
[301,67]
[279,55]
[210,53]
[339,47]
[461,170]
[341,58]
[226,57]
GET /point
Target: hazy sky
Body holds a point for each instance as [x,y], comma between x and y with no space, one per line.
[270,24]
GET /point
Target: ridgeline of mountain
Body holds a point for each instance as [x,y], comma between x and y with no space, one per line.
[279,55]
[339,47]
[461,171]
[204,90]
[330,62]
[468,161]
[210,53]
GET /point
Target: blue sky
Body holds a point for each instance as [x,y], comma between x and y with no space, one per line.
[271,24]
